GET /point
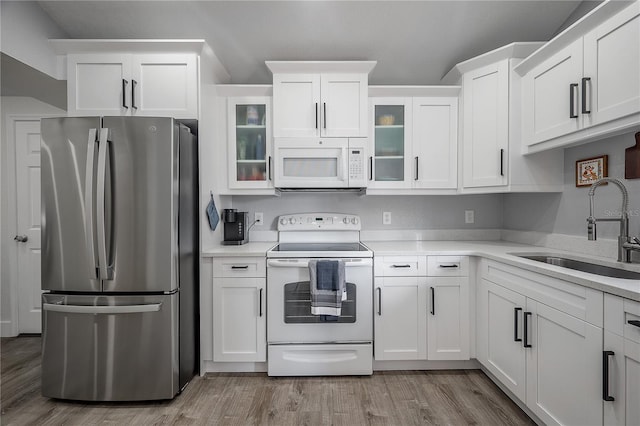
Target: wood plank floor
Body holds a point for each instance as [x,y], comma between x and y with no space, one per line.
[386,398]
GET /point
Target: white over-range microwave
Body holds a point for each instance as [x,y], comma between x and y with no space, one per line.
[320,162]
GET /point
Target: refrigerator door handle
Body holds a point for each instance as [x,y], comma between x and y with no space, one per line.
[88,204]
[82,309]
[100,205]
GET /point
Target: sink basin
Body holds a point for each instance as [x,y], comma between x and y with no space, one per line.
[592,268]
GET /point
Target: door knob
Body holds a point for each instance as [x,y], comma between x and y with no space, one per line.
[21,238]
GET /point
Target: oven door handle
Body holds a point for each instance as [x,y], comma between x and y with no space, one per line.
[304,263]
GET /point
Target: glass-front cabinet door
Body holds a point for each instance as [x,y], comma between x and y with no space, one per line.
[250,144]
[390,154]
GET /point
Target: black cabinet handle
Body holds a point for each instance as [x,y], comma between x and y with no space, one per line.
[433,300]
[324,113]
[379,290]
[260,302]
[572,103]
[240,267]
[526,343]
[453,265]
[515,325]
[133,94]
[370,168]
[584,95]
[501,162]
[401,266]
[417,175]
[269,168]
[634,322]
[316,115]
[124,93]
[605,375]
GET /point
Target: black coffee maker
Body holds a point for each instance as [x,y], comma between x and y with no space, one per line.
[236,227]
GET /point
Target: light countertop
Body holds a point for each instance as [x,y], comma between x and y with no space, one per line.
[250,249]
[500,251]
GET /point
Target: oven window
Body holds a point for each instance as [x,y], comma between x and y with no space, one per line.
[318,167]
[297,305]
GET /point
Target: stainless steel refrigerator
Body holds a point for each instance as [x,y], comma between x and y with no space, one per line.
[119,257]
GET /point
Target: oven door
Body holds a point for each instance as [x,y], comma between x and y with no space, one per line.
[311,163]
[289,318]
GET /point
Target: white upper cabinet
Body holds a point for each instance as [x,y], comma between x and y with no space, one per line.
[413,139]
[486,125]
[583,85]
[435,142]
[612,67]
[491,157]
[98,84]
[131,77]
[164,85]
[327,99]
[551,95]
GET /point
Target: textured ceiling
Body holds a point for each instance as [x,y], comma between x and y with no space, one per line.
[414,42]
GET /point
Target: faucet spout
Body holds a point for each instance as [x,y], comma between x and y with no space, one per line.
[624,253]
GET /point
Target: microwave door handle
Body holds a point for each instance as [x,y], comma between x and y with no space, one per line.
[101,204]
[89,203]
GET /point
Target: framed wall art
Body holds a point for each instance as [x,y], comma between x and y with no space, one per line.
[590,170]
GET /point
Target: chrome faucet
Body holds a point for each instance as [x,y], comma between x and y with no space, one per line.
[626,244]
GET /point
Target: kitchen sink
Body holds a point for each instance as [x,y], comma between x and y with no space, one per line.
[578,265]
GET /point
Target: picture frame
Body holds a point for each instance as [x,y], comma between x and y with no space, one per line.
[590,170]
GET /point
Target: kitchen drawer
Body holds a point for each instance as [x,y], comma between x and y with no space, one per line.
[400,266]
[618,311]
[447,266]
[239,267]
[573,299]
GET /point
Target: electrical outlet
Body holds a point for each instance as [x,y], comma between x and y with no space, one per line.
[258,218]
[469,216]
[386,218]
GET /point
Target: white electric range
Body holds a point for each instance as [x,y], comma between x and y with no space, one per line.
[302,344]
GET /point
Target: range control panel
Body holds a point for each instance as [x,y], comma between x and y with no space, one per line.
[318,222]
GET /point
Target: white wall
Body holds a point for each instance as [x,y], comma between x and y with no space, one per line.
[24,33]
[566,213]
[11,106]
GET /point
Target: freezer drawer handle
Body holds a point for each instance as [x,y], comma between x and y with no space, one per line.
[125,309]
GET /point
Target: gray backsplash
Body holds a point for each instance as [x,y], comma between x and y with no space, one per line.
[407,212]
[566,213]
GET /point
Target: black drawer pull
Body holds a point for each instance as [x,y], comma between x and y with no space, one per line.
[454,265]
[515,325]
[526,343]
[634,322]
[401,266]
[605,375]
[433,300]
[240,267]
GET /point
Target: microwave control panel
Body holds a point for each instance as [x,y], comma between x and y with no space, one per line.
[356,167]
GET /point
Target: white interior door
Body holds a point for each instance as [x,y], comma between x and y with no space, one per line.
[27,149]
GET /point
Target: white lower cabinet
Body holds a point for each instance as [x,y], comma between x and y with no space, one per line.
[239,310]
[400,318]
[421,317]
[549,355]
[563,367]
[621,362]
